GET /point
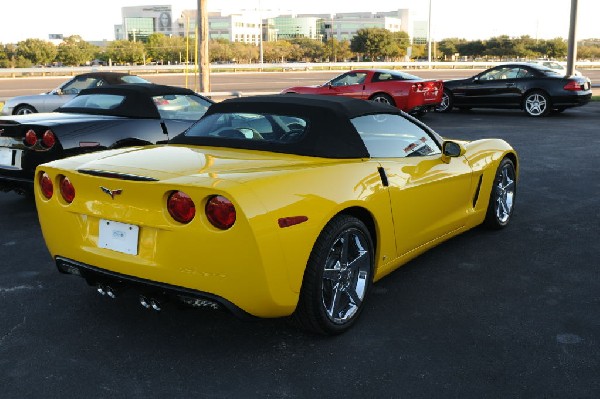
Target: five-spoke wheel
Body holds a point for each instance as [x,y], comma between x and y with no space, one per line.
[502,197]
[537,103]
[337,277]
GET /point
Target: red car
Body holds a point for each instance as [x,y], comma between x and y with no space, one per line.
[410,93]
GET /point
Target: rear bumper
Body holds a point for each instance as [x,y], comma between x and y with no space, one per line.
[571,101]
[95,276]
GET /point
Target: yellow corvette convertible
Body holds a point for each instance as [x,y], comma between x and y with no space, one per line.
[271,206]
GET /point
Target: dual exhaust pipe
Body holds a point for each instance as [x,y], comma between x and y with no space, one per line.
[146,302]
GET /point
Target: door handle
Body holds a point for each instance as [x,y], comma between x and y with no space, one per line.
[510,85]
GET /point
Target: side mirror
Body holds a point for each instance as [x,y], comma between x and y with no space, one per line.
[451,149]
[58,91]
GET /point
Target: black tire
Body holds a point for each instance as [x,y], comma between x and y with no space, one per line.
[537,103]
[24,110]
[383,98]
[502,197]
[337,278]
[447,102]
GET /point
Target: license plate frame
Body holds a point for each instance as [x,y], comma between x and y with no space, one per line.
[10,158]
[119,237]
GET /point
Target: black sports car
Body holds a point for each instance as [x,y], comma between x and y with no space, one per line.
[536,89]
[97,119]
[48,102]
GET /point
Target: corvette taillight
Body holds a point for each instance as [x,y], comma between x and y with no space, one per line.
[46,185]
[181,207]
[66,189]
[572,85]
[30,138]
[220,212]
[48,139]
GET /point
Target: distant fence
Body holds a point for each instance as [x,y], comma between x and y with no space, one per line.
[256,67]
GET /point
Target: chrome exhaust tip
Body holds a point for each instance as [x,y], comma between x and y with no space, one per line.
[150,303]
[106,290]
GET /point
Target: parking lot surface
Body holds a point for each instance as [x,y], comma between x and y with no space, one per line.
[503,314]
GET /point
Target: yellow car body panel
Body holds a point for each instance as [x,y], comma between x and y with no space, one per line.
[257,265]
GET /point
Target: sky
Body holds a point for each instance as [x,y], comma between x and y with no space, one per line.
[468,19]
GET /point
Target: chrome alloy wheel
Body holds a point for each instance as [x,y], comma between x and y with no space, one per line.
[444,104]
[505,193]
[536,104]
[346,275]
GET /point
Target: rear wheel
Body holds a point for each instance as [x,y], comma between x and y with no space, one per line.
[537,103]
[502,197]
[24,110]
[383,98]
[337,277]
[447,102]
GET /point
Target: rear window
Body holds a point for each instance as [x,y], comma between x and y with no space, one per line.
[95,101]
[248,126]
[133,79]
[181,106]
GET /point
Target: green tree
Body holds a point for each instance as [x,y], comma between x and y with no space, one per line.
[220,50]
[374,43]
[39,52]
[556,48]
[278,51]
[75,51]
[124,51]
[164,49]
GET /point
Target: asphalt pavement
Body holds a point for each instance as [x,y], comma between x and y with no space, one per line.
[504,314]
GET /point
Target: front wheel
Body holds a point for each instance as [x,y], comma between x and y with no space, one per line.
[502,197]
[446,104]
[337,277]
[537,103]
[24,110]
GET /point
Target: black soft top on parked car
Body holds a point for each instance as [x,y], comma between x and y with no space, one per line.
[329,131]
[138,99]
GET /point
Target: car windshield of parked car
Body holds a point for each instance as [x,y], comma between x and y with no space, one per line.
[181,106]
[250,126]
[393,136]
[350,78]
[95,101]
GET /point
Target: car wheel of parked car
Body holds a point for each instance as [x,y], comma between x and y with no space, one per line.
[24,110]
[383,98]
[537,103]
[337,277]
[447,102]
[502,197]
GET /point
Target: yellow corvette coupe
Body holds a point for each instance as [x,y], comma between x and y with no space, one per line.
[271,206]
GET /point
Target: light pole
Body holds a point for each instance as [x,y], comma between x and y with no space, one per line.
[429,36]
[260,37]
[572,49]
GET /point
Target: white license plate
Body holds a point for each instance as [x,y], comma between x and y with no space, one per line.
[10,158]
[120,237]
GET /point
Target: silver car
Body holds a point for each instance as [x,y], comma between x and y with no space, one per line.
[48,102]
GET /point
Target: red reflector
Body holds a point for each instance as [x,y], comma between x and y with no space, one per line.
[66,189]
[292,220]
[30,138]
[48,139]
[181,207]
[46,185]
[220,212]
[572,86]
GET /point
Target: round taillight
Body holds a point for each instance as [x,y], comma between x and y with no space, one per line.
[220,212]
[46,185]
[181,207]
[66,189]
[30,138]
[48,139]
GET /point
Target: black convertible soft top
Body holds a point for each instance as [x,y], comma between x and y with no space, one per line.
[138,101]
[330,133]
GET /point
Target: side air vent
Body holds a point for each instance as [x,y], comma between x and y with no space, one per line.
[476,197]
[114,175]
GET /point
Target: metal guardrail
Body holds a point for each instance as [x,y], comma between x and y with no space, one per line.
[291,66]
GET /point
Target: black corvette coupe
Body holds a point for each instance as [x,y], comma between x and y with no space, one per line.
[97,119]
[536,89]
